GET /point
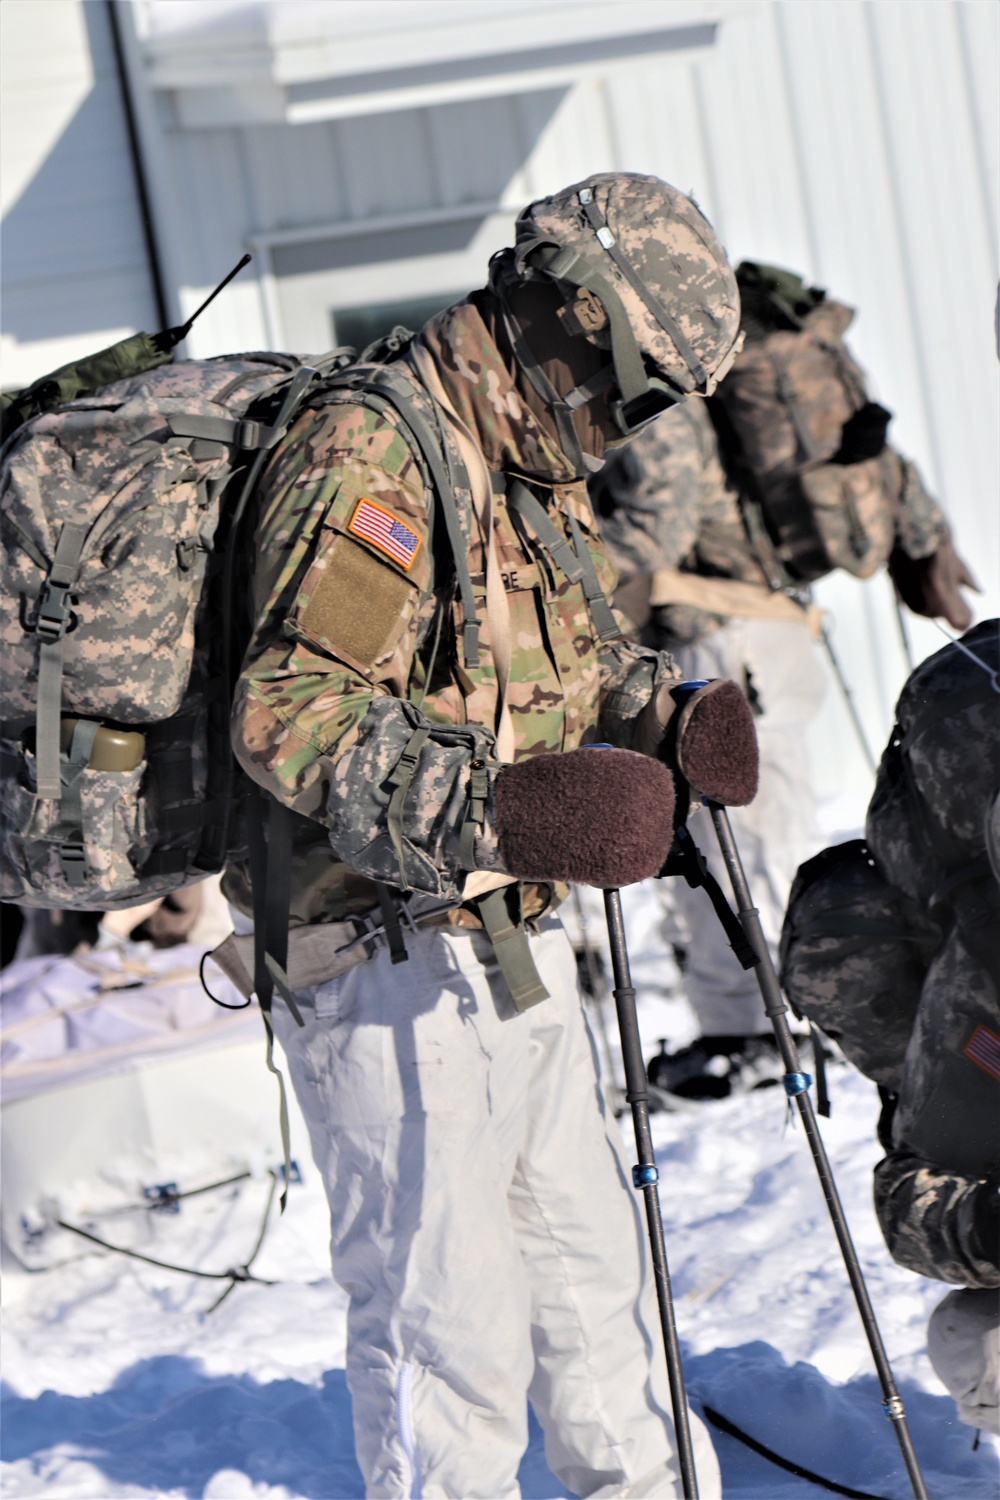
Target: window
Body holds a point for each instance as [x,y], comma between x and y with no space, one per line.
[360,326]
[353,282]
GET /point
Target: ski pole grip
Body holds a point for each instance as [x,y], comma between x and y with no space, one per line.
[713,740]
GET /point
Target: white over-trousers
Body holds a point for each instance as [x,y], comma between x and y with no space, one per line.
[775,833]
[485,1228]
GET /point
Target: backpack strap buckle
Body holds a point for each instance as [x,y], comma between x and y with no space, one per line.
[73,858]
[53,615]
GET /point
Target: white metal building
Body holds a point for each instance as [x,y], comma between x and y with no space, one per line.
[371,154]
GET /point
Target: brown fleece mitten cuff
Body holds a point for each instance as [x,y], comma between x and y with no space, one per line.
[717,744]
[589,817]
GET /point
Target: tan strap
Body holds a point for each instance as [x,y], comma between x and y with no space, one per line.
[731,597]
[497,604]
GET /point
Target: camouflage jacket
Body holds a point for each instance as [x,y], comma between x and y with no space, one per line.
[891,946]
[669,502]
[354,697]
[938,1223]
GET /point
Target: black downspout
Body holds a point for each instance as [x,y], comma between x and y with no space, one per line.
[139,170]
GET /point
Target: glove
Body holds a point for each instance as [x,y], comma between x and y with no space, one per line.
[710,740]
[863,435]
[590,817]
[930,585]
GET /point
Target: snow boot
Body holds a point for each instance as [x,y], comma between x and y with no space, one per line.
[713,1067]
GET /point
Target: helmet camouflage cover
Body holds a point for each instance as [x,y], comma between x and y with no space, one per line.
[652,249]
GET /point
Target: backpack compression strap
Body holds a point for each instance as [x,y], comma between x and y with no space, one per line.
[51,624]
[575,562]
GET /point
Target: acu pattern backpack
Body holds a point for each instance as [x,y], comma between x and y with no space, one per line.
[126,564]
[121,554]
[821,490]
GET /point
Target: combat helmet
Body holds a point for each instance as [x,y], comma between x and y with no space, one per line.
[667,305]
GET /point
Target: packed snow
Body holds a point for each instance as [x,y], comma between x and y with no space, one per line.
[121,1379]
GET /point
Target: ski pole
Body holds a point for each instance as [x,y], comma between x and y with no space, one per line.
[849,700]
[645,1176]
[797,1087]
[598,995]
[904,634]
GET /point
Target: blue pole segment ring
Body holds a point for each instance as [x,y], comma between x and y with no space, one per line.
[796,1083]
[645,1176]
[685,690]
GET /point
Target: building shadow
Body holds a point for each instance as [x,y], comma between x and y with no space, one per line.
[169,1427]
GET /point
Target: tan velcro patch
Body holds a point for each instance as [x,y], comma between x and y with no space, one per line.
[356,603]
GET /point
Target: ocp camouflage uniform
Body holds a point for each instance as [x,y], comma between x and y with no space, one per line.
[481,1219]
[336,679]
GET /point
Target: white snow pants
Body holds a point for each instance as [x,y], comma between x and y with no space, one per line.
[779,828]
[484,1227]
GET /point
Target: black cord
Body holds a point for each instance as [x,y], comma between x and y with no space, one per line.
[730,1428]
[234,1275]
[168,1199]
[222,1004]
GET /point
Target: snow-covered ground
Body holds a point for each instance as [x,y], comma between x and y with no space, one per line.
[119,1381]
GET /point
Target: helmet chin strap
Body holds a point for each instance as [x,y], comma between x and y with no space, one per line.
[641,396]
[562,412]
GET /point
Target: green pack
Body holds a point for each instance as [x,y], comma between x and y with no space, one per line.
[131,356]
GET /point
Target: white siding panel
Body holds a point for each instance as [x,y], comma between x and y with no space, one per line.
[979,35]
[479,148]
[657,124]
[750,142]
[75,273]
[570,142]
[211,208]
[950,267]
[293,175]
[399,148]
[116,299]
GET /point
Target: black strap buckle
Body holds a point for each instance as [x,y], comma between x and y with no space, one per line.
[73,858]
[53,616]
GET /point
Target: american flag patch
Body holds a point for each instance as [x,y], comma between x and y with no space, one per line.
[983,1048]
[386,532]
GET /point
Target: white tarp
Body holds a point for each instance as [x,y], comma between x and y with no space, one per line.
[118,1072]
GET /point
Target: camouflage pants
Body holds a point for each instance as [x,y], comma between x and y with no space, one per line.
[484,1228]
[775,833]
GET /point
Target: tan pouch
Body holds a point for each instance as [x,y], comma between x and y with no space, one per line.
[315,954]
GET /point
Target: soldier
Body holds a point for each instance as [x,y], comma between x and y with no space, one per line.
[891,946]
[705,577]
[428,656]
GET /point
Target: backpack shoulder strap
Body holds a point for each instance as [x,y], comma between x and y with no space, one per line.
[381,388]
[573,560]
